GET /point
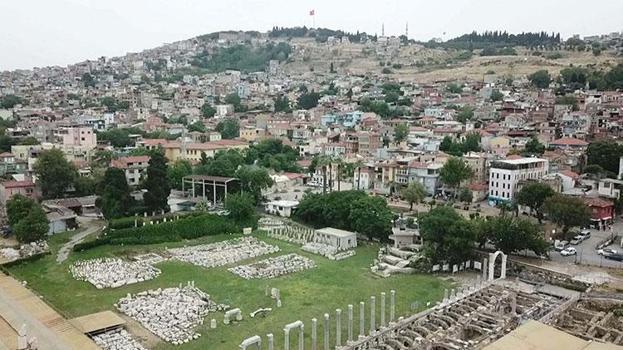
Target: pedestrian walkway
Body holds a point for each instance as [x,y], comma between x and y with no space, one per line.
[20,306]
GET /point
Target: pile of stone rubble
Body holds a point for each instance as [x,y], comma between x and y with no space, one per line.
[25,250]
[274,267]
[171,313]
[223,253]
[116,339]
[112,272]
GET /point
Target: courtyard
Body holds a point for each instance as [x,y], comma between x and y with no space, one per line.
[304,294]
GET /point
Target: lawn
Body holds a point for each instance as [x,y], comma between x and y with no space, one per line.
[305,295]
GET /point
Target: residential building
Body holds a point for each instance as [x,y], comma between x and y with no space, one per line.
[505,175]
[135,168]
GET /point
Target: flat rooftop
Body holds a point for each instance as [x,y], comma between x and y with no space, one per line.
[521,161]
[534,335]
[97,322]
[335,232]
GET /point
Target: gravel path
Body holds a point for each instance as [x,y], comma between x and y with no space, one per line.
[92,226]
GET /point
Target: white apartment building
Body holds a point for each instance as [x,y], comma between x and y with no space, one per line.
[504,175]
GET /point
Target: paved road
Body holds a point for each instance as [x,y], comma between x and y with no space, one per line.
[587,254]
[92,226]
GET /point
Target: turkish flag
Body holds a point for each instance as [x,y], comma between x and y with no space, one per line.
[312,12]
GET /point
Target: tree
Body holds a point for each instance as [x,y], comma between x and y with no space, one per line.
[496,95]
[87,80]
[207,110]
[371,217]
[401,131]
[157,183]
[465,114]
[33,227]
[534,147]
[455,88]
[234,99]
[511,235]
[308,100]
[448,237]
[533,195]
[229,128]
[454,172]
[197,126]
[605,154]
[254,179]
[241,207]
[18,208]
[566,212]
[114,194]
[177,171]
[465,195]
[282,104]
[55,173]
[541,79]
[414,193]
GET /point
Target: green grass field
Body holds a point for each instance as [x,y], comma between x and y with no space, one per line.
[305,295]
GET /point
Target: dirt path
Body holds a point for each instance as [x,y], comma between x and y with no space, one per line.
[92,226]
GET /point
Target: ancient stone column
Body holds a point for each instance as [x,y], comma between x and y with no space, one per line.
[286,339]
[362,317]
[383,309]
[338,329]
[445,296]
[392,305]
[302,337]
[372,314]
[326,331]
[350,322]
[314,334]
[485,266]
[271,341]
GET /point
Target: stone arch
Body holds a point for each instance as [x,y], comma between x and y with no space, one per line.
[492,258]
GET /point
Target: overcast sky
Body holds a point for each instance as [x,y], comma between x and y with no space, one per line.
[60,32]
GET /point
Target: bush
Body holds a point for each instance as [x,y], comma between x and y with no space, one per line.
[386,71]
[189,227]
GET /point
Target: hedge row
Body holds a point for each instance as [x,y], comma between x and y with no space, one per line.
[31,258]
[190,227]
[128,222]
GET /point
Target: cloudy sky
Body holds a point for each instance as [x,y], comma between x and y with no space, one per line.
[59,32]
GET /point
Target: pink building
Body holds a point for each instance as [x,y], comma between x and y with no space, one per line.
[10,188]
[77,136]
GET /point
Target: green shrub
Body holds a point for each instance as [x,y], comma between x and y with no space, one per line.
[187,227]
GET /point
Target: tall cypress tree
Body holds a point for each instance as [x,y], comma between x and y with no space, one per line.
[157,183]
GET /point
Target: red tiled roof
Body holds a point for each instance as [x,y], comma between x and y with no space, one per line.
[569,141]
[124,161]
[6,155]
[16,184]
[570,174]
[597,202]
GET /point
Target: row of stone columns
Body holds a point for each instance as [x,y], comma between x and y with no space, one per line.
[326,341]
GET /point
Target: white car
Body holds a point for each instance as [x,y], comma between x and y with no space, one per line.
[577,240]
[606,251]
[568,251]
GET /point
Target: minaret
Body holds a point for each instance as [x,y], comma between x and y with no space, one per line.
[407,30]
[383,29]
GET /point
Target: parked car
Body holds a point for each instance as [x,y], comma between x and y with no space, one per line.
[576,240]
[606,251]
[586,234]
[568,251]
[560,245]
[615,257]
